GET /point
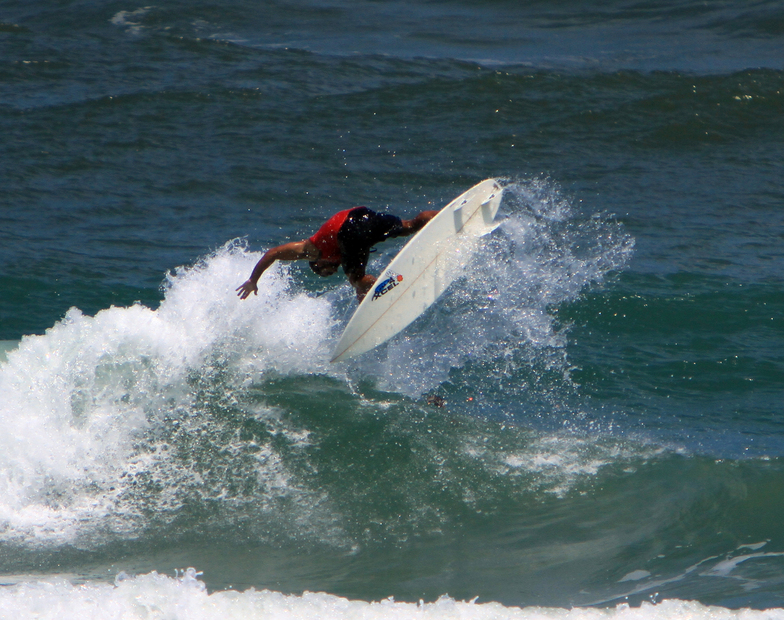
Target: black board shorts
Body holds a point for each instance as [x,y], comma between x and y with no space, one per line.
[363,229]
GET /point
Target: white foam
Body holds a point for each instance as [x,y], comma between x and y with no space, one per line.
[131,20]
[77,402]
[635,575]
[185,597]
[555,463]
[725,567]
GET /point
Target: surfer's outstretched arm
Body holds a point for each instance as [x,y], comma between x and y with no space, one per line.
[295,250]
[415,224]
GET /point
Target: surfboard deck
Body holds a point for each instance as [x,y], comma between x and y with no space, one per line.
[421,271]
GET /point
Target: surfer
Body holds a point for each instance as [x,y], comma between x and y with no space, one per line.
[345,239]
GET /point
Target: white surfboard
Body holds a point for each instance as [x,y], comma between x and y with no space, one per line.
[422,270]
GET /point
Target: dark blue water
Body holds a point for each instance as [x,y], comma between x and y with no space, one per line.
[611,361]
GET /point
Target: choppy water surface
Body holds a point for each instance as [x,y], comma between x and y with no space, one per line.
[610,361]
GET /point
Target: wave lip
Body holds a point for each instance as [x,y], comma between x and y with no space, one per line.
[89,409]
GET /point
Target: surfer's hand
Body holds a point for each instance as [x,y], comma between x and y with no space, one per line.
[246,288]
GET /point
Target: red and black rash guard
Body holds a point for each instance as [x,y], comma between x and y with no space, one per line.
[326,237]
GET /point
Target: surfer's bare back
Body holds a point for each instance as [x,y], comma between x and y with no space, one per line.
[344,239]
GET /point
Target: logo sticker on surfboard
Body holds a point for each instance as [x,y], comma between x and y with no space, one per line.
[387,284]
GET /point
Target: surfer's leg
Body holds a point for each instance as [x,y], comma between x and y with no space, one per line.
[354,243]
[354,254]
[354,261]
[363,286]
[413,225]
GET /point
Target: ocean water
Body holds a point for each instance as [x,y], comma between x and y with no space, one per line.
[611,362]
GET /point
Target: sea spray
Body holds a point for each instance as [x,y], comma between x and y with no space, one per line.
[546,252]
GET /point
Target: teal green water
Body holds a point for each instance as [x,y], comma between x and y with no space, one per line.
[610,362]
